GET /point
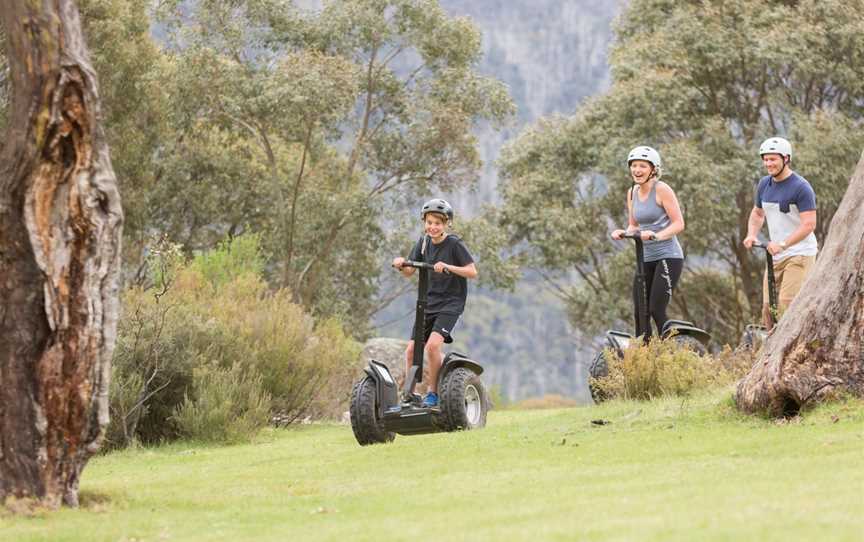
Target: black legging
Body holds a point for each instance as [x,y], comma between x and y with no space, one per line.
[661,277]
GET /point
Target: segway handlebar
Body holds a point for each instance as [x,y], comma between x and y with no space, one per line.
[757,244]
[420,265]
[636,235]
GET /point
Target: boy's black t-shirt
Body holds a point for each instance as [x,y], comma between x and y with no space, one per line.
[447,291]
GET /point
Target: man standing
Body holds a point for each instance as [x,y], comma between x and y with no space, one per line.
[787,201]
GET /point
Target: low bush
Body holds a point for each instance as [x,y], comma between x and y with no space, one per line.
[225,405]
[663,368]
[183,340]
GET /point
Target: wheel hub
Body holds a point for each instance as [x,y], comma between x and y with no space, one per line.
[473,406]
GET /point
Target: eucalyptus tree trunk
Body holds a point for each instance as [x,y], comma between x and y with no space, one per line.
[60,229]
[817,348]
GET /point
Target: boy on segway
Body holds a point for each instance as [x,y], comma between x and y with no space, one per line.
[448,288]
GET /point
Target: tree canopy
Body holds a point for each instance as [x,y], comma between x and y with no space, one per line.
[704,82]
[322,129]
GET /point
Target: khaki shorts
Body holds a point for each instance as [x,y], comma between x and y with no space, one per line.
[789,275]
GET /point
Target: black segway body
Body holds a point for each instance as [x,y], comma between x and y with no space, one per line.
[378,411]
[681,331]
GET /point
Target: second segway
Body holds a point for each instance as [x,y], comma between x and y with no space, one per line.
[682,332]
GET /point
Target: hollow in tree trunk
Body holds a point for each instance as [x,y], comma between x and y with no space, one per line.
[815,350]
[60,229]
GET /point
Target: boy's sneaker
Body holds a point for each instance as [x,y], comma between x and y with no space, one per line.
[431,400]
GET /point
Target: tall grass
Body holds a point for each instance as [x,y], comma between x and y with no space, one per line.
[663,368]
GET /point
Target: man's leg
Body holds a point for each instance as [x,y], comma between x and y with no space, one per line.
[795,271]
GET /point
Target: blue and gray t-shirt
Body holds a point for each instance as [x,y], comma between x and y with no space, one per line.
[783,203]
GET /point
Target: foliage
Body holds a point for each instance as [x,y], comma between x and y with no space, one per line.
[662,368]
[704,82]
[225,405]
[132,70]
[212,321]
[315,127]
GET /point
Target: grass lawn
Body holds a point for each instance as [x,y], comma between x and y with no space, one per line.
[666,470]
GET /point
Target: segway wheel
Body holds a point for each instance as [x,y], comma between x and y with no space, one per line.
[692,343]
[367,427]
[464,401]
[597,369]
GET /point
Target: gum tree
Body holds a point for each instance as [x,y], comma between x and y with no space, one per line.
[60,229]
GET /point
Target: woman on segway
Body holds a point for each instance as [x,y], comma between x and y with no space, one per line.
[653,211]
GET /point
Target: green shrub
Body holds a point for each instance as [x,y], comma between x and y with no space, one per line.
[232,258]
[663,368]
[226,405]
[198,311]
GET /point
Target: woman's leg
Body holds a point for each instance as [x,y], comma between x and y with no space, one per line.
[665,278]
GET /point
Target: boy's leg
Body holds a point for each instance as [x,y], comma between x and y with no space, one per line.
[440,334]
[409,358]
[409,351]
[434,359]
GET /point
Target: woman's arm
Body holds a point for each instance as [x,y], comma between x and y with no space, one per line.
[632,225]
[670,204]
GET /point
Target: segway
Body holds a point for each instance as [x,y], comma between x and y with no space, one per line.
[755,334]
[682,332]
[378,410]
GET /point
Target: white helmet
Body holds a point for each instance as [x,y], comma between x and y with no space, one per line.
[648,154]
[776,145]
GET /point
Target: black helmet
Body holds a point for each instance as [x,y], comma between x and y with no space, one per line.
[437,206]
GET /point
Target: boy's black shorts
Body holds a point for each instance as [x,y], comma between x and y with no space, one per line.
[442,323]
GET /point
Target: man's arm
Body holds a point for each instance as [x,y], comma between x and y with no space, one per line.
[754,224]
[808,225]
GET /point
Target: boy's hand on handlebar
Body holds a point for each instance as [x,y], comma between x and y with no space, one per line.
[398,262]
[441,267]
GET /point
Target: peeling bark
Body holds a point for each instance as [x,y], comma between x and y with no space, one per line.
[60,230]
[816,350]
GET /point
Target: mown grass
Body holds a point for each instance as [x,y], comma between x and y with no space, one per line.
[690,469]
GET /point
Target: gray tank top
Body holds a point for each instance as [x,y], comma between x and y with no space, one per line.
[651,216]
